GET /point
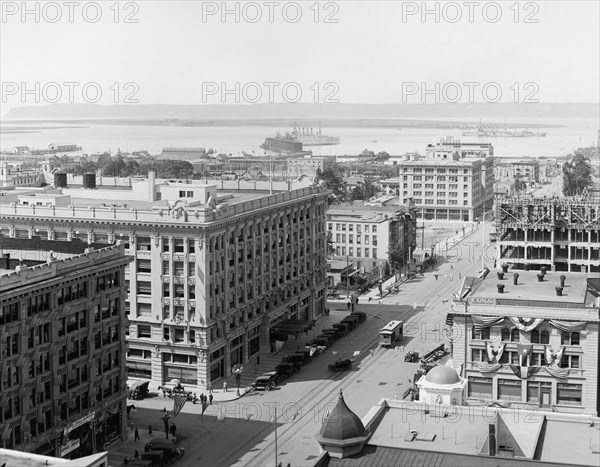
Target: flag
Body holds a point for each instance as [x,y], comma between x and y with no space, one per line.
[179,401]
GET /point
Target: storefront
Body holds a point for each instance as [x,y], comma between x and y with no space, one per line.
[253,341]
[217,364]
[237,351]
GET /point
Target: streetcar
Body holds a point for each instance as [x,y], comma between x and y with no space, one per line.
[391,333]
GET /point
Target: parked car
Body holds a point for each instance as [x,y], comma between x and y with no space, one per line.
[295,359]
[341,365]
[305,354]
[266,381]
[343,328]
[361,315]
[286,369]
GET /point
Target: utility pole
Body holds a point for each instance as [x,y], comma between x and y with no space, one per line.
[276,464]
[347,277]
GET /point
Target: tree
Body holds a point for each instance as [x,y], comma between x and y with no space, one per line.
[330,248]
[333,176]
[577,176]
[396,255]
[519,183]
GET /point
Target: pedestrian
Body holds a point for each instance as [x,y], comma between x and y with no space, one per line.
[459,276]
[370,298]
[436,276]
[348,304]
[258,359]
[210,390]
[146,447]
[203,398]
[149,429]
[451,266]
[195,399]
[136,455]
[126,461]
[210,399]
[224,386]
[136,435]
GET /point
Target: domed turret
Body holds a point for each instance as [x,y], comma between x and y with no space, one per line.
[343,433]
[442,374]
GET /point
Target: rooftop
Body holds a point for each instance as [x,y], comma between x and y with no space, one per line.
[412,433]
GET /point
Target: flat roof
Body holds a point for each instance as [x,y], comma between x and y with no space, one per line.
[391,326]
[463,430]
[529,288]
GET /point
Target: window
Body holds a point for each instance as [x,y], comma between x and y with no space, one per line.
[191,245]
[165,243]
[534,389]
[144,331]
[514,335]
[143,244]
[545,337]
[144,309]
[338,227]
[358,251]
[338,238]
[535,336]
[478,355]
[144,288]
[480,388]
[166,267]
[178,269]
[570,361]
[483,334]
[569,338]
[374,229]
[351,251]
[509,389]
[351,227]
[374,253]
[374,239]
[144,265]
[366,229]
[350,238]
[568,394]
[178,245]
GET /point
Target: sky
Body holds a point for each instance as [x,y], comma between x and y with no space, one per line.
[190,52]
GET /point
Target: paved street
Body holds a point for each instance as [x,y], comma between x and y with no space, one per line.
[242,432]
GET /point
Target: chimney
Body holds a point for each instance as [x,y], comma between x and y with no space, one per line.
[151,185]
[516,278]
[500,275]
[505,268]
[562,280]
[500,288]
[544,270]
[540,277]
[559,291]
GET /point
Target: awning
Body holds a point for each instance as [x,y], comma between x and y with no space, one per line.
[292,326]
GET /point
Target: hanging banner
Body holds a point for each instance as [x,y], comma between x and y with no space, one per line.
[482,322]
[179,401]
[567,326]
[526,324]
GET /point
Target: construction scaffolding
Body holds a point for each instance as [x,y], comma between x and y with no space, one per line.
[560,233]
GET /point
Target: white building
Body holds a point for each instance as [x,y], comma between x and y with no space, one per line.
[213,269]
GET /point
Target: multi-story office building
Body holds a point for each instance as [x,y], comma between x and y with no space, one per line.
[62,340]
[365,233]
[522,342]
[446,187]
[213,271]
[527,169]
[562,234]
[450,145]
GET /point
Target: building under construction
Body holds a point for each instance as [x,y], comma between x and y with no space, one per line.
[562,234]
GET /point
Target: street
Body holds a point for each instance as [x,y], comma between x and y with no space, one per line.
[242,432]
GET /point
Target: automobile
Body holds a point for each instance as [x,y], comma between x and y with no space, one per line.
[162,453]
[331,333]
[139,390]
[361,315]
[333,294]
[352,321]
[320,342]
[305,354]
[266,381]
[286,369]
[294,359]
[343,328]
[341,365]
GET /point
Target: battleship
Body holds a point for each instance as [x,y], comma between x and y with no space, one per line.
[308,137]
[493,131]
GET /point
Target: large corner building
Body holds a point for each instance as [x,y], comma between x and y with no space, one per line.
[212,271]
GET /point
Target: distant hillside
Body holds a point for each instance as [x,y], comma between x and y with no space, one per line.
[310,111]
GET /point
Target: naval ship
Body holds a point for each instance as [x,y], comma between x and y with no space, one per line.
[493,131]
[308,137]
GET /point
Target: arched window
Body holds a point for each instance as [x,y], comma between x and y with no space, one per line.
[535,336]
[575,338]
[505,335]
[545,337]
[514,335]
[565,338]
[485,334]
[474,333]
